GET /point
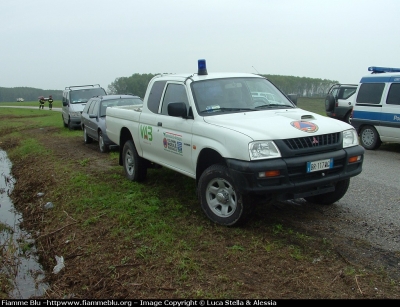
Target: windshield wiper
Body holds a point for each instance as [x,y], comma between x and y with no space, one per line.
[227,109]
[274,105]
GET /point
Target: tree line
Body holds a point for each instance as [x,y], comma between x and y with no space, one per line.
[137,85]
[301,86]
[27,93]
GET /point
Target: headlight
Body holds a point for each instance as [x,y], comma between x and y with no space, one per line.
[263,150]
[350,138]
[75,114]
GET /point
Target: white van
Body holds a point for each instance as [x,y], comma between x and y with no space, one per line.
[74,100]
[376,114]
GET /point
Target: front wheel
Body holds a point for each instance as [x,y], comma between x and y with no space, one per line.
[220,199]
[87,139]
[70,126]
[341,188]
[134,166]
[369,138]
[65,125]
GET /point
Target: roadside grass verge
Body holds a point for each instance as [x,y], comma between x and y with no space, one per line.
[152,238]
[56,104]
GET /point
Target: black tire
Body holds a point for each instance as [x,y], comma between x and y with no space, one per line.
[330,198]
[347,118]
[369,138]
[134,166]
[329,103]
[87,139]
[102,146]
[220,199]
[70,127]
[65,125]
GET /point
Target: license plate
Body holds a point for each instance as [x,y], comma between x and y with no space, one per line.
[314,166]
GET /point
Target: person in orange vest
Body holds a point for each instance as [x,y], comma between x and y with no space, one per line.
[50,100]
[41,102]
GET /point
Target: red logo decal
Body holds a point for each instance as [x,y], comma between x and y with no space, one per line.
[305,126]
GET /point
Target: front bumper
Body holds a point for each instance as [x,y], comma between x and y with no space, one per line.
[294,181]
[75,121]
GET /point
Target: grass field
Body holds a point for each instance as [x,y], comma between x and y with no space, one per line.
[310,104]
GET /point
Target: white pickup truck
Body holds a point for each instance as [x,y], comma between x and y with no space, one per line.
[242,148]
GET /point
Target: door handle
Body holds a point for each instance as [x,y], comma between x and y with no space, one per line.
[159,124]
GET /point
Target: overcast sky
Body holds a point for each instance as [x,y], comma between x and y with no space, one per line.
[51,44]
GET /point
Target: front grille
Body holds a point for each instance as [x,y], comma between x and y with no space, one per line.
[316,141]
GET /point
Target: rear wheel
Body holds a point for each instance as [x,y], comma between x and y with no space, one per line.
[102,146]
[341,188]
[134,166]
[220,199]
[369,138]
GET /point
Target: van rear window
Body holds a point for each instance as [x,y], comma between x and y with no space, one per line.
[82,96]
[370,93]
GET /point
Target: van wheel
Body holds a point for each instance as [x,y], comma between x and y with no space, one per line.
[87,139]
[329,103]
[70,127]
[341,188]
[65,125]
[102,146]
[220,199]
[134,166]
[369,138]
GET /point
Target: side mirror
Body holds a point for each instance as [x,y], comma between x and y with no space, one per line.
[177,109]
[293,98]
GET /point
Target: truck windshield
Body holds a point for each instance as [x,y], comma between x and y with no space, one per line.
[237,95]
[82,96]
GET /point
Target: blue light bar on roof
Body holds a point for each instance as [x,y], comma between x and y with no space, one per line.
[202,68]
[376,69]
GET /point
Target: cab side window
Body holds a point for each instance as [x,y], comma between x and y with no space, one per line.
[174,93]
[394,94]
[370,93]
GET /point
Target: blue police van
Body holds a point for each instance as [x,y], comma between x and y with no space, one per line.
[376,113]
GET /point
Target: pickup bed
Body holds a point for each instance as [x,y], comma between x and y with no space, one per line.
[241,146]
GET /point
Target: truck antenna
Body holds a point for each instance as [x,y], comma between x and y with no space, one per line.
[255,70]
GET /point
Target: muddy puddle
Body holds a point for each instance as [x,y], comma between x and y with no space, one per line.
[17,248]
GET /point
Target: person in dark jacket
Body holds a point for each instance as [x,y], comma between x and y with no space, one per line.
[50,100]
[41,102]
